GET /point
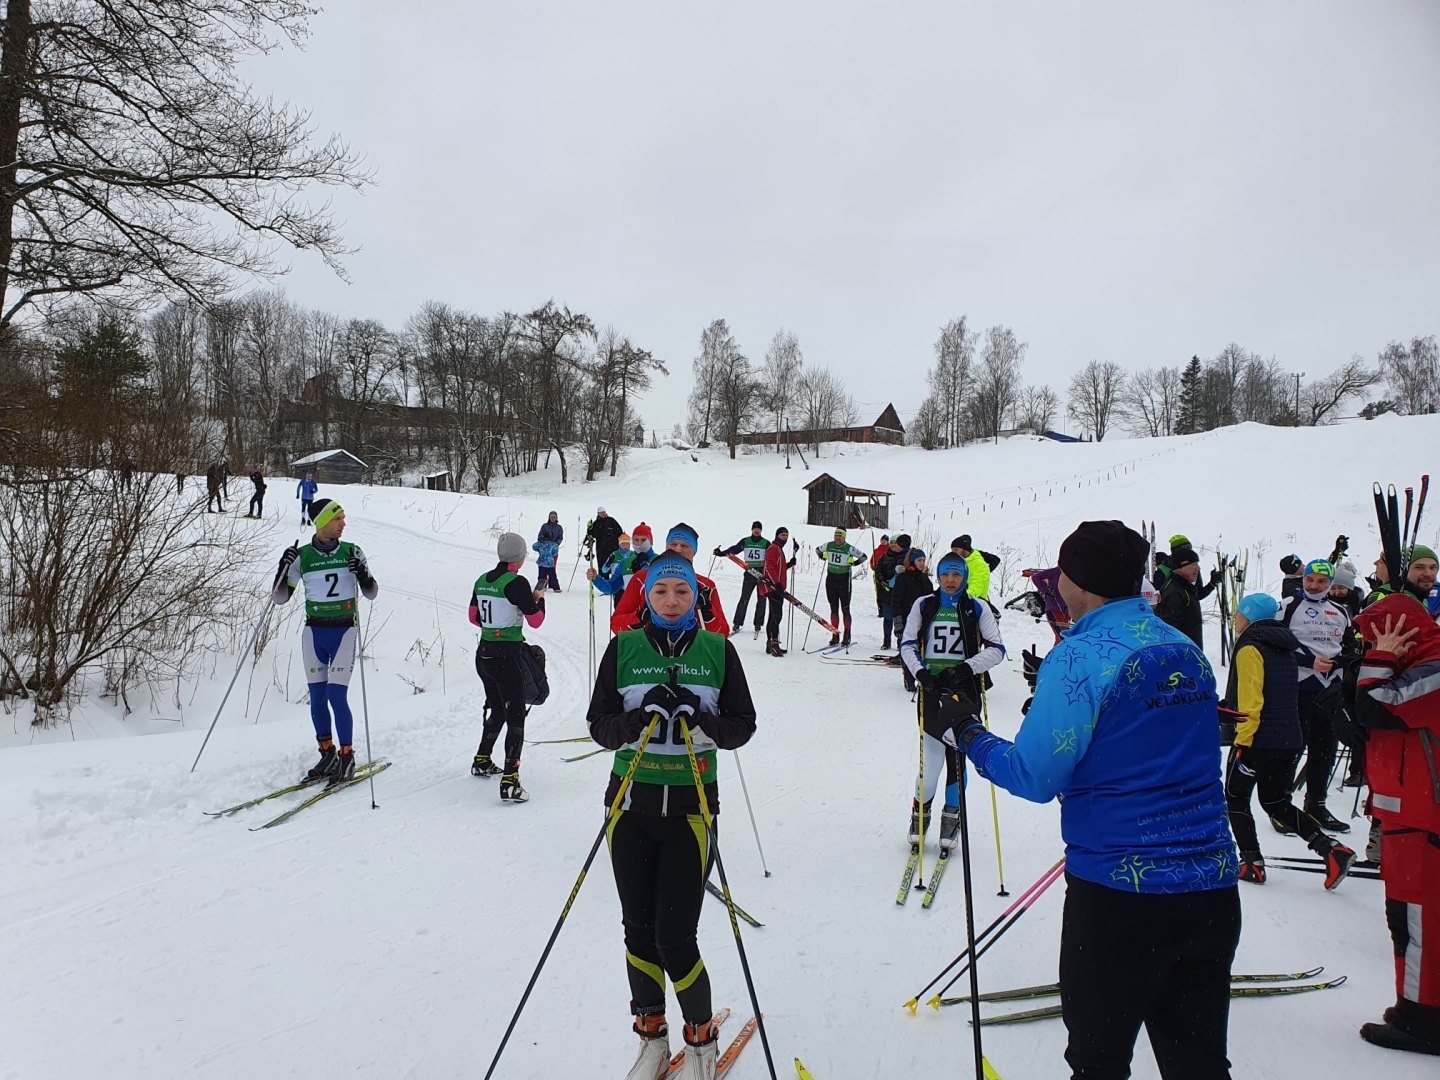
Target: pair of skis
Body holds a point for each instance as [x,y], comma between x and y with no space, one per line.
[362,773]
[1316,865]
[1398,544]
[1240,986]
[787,594]
[907,880]
[726,1059]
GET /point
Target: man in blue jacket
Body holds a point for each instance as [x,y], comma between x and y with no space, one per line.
[1123,727]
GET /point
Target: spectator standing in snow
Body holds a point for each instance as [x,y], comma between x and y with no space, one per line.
[1123,725]
[1293,570]
[553,532]
[981,564]
[257,500]
[887,564]
[1181,596]
[776,574]
[214,494]
[910,586]
[603,535]
[546,552]
[305,491]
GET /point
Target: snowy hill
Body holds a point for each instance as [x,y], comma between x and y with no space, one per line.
[142,939]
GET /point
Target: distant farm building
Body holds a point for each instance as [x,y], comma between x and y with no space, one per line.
[331,467]
[841,507]
[886,429]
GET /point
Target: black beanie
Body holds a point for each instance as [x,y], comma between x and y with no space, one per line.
[1183,556]
[756,525]
[903,540]
[1290,565]
[963,541]
[1105,557]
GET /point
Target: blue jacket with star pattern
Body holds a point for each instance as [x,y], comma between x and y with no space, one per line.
[1124,729]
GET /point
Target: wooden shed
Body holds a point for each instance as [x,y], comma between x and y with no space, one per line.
[840,507]
[438,481]
[331,467]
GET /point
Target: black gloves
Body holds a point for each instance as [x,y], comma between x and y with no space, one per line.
[360,570]
[1026,707]
[1342,545]
[287,560]
[706,604]
[791,563]
[928,682]
[969,731]
[1215,576]
[670,701]
[1030,665]
[719,554]
[636,721]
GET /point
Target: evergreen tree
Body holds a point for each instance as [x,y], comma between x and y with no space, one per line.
[1188,415]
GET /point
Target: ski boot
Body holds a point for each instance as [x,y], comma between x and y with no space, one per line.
[344,766]
[1338,860]
[772,647]
[1326,820]
[325,767]
[735,630]
[1252,867]
[1393,1034]
[510,789]
[484,766]
[846,640]
[702,1048]
[654,1060]
[1280,826]
[834,640]
[914,835]
[886,643]
[949,828]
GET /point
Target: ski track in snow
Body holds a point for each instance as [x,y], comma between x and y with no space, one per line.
[139,938]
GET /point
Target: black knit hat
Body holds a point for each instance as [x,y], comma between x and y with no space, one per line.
[1105,557]
[756,525]
[962,541]
[1183,556]
[903,540]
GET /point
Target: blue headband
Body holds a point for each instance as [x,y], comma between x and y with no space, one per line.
[672,565]
[950,563]
[686,533]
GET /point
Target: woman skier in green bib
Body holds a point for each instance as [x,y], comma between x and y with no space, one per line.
[331,570]
[501,603]
[659,846]
[838,557]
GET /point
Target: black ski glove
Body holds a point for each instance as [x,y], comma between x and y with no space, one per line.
[287,560]
[1024,709]
[636,721]
[928,682]
[706,604]
[1342,545]
[791,563]
[1030,665]
[1215,576]
[969,732]
[719,554]
[661,698]
[360,570]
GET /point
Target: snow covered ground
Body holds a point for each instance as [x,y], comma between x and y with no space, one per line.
[139,938]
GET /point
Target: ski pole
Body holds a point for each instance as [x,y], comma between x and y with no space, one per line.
[589,559]
[994,802]
[610,816]
[935,1002]
[725,887]
[970,920]
[920,793]
[1041,884]
[239,663]
[750,808]
[365,713]
[805,641]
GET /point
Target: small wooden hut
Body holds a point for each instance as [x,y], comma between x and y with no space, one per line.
[331,467]
[840,507]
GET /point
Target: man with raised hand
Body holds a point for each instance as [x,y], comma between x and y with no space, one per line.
[1124,727]
[332,571]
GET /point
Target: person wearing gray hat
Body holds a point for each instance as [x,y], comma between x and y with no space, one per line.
[501,604]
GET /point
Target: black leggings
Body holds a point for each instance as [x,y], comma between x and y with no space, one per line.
[747,586]
[660,865]
[837,591]
[777,611]
[1321,744]
[1271,771]
[505,705]
[1157,959]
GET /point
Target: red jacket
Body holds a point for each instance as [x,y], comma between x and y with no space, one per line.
[1398,699]
[632,606]
[775,566]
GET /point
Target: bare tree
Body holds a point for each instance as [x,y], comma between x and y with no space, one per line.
[1412,375]
[824,405]
[927,427]
[949,380]
[717,352]
[1320,399]
[1151,402]
[783,361]
[1095,393]
[737,397]
[1037,409]
[137,164]
[997,386]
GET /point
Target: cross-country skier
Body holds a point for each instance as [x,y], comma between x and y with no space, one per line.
[631,610]
[772,588]
[502,603]
[659,845]
[623,565]
[331,570]
[1262,688]
[603,535]
[305,491]
[839,557]
[950,640]
[1323,627]
[752,550]
[1123,725]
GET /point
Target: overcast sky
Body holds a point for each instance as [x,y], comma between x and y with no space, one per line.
[1126,181]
